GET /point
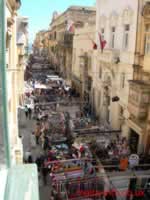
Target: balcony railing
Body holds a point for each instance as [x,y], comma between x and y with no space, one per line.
[110,55]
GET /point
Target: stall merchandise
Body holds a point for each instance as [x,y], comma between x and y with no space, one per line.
[56,123]
[82,123]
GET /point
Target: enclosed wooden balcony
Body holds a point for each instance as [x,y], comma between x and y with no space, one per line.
[139,99]
[66,39]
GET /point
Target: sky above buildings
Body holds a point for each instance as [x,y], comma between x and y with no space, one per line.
[40,12]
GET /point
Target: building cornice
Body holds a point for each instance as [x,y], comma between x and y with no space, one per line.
[73,9]
[13,4]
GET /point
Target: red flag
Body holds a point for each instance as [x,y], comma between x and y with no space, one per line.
[94,44]
[70,26]
[71,29]
[102,42]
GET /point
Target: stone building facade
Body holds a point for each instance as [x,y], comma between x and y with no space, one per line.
[22,50]
[62,37]
[82,71]
[139,93]
[12,73]
[38,43]
[113,68]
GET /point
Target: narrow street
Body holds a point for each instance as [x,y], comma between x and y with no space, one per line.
[26,127]
[62,141]
[75,100]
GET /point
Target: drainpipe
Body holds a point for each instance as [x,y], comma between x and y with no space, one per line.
[3,82]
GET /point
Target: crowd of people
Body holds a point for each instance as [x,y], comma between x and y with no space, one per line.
[116,152]
[42,116]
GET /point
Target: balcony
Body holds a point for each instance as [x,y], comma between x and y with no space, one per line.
[139,96]
[21,38]
[128,57]
[19,183]
[66,40]
[109,55]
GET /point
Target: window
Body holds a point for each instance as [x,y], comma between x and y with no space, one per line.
[113,29]
[122,81]
[99,99]
[144,98]
[126,36]
[121,111]
[147,39]
[100,72]
[102,33]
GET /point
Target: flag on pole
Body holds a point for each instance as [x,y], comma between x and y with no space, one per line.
[94,44]
[102,42]
[70,26]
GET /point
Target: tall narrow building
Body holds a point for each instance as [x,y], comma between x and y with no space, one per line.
[62,31]
[12,73]
[139,93]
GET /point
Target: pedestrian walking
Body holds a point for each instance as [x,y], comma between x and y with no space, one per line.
[30,112]
[30,159]
[26,111]
[38,162]
[37,139]
[32,140]
[37,132]
[46,143]
[44,174]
